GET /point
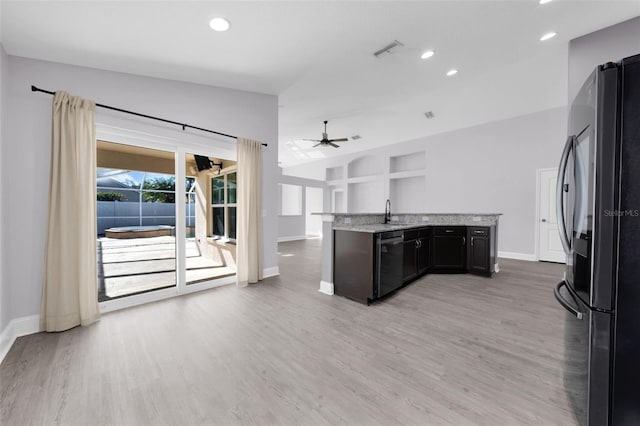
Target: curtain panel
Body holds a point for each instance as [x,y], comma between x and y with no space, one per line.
[69,293]
[249,229]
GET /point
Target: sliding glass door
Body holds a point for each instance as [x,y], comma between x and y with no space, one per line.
[165,219]
[136,220]
[210,249]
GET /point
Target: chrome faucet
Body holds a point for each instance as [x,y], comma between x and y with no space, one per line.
[387,212]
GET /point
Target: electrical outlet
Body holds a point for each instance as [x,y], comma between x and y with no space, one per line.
[394,218]
[425,218]
[347,220]
[477,219]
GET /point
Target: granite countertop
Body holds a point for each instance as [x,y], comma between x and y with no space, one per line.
[372,222]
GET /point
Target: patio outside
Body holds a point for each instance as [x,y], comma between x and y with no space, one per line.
[136,241]
[129,266]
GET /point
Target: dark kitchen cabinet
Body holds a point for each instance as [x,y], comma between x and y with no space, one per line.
[449,249]
[353,265]
[409,255]
[416,253]
[367,266]
[480,250]
[423,255]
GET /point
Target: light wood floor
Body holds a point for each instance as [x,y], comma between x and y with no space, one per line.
[448,349]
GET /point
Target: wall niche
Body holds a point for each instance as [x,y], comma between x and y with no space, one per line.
[335,173]
[364,166]
[408,162]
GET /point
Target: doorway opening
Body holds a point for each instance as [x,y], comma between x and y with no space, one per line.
[156,233]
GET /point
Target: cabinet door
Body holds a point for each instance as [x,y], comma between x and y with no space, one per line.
[449,253]
[423,256]
[479,255]
[409,268]
[349,249]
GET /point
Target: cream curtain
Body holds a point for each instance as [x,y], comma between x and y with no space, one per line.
[248,221]
[69,293]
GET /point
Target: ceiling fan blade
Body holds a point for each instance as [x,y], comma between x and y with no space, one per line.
[339,140]
[333,144]
[317,144]
[311,140]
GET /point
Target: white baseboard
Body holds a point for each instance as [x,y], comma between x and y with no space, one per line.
[292,238]
[518,256]
[16,328]
[326,288]
[270,272]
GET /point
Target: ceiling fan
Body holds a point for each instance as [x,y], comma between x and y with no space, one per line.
[325,139]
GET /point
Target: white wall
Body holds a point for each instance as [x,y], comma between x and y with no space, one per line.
[26,145]
[294,227]
[490,168]
[314,203]
[607,45]
[5,303]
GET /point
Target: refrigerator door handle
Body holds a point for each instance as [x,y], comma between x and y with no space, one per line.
[562,301]
[562,171]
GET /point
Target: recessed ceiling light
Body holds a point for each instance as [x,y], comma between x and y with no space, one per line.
[547,36]
[219,24]
[427,54]
[544,1]
[452,72]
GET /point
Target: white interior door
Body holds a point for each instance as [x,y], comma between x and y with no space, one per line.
[550,247]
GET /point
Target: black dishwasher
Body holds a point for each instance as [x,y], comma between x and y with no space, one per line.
[389,251]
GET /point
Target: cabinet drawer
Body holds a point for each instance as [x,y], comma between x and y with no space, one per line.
[478,231]
[411,234]
[450,230]
[426,232]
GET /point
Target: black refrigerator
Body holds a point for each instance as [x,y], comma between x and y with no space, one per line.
[598,206]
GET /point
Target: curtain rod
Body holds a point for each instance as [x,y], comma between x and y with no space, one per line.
[151,117]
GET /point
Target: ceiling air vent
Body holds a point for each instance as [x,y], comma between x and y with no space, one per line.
[356,137]
[394,45]
[429,114]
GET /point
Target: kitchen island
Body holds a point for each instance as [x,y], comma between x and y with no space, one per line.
[364,258]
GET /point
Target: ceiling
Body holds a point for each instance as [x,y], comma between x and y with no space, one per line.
[318,57]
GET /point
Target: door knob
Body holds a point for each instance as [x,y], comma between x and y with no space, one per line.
[544,220]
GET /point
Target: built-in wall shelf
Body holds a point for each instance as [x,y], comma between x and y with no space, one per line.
[335,173]
[364,166]
[366,197]
[407,162]
[363,184]
[408,174]
[408,194]
[366,179]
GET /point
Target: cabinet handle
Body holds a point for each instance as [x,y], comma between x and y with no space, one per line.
[448,230]
[479,232]
[464,240]
[472,241]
